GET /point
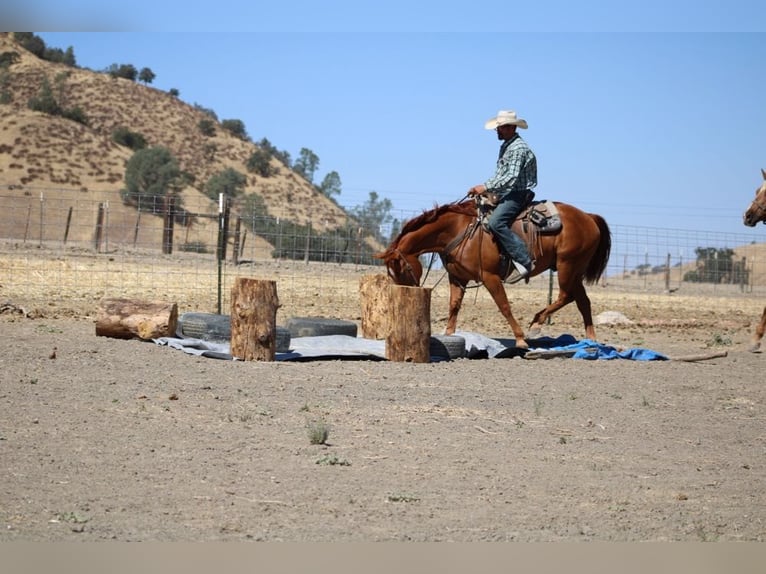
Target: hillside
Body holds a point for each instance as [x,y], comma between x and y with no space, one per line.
[43,152]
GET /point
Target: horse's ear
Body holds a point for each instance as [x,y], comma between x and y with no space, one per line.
[763,172]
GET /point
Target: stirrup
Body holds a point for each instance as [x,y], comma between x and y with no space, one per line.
[520,272]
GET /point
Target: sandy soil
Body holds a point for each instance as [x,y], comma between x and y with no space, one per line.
[104,439]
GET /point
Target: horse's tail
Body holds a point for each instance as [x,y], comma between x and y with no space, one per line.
[597,264]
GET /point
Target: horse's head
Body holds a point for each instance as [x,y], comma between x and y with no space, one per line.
[403,269]
[757,210]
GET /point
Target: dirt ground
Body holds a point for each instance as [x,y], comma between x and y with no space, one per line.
[105,439]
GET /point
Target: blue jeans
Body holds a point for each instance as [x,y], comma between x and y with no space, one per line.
[500,224]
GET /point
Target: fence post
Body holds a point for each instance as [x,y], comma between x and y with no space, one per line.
[68,223]
[167,228]
[235,248]
[41,219]
[99,228]
[667,274]
[308,244]
[220,249]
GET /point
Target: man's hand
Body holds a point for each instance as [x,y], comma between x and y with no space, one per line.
[477,190]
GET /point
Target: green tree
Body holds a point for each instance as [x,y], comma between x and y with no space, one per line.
[280,155]
[206,127]
[714,265]
[306,164]
[150,175]
[45,101]
[127,71]
[236,128]
[8,59]
[123,136]
[229,182]
[260,162]
[330,185]
[174,92]
[146,76]
[373,215]
[30,41]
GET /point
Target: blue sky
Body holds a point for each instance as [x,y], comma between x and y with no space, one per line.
[654,118]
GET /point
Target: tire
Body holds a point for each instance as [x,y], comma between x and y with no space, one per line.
[447,346]
[217,329]
[319,327]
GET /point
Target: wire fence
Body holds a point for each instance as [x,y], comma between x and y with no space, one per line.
[63,247]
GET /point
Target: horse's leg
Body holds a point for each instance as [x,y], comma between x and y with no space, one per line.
[456,293]
[565,297]
[496,288]
[583,304]
[758,335]
[567,293]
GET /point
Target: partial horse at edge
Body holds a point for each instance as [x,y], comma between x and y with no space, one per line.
[755,214]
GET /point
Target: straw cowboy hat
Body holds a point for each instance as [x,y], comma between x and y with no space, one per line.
[504,118]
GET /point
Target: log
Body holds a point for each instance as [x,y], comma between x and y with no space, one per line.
[373,296]
[254,305]
[409,330]
[130,318]
[700,357]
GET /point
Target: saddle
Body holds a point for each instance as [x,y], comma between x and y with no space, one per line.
[540,217]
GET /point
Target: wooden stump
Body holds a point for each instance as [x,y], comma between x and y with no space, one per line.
[130,318]
[254,307]
[409,330]
[373,296]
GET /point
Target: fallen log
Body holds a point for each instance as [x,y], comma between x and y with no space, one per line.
[700,357]
[131,318]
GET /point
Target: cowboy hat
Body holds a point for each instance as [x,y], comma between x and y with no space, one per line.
[505,117]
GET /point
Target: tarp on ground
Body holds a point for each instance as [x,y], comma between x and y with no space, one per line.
[344,347]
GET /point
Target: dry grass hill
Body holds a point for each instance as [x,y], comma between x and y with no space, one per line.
[41,151]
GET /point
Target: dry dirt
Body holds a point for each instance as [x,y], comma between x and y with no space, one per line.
[104,439]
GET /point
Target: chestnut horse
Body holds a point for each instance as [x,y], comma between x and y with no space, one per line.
[578,252]
[755,213]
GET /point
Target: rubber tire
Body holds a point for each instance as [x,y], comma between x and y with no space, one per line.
[320,327]
[217,329]
[447,346]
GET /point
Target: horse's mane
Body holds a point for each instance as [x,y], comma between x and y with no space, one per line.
[465,207]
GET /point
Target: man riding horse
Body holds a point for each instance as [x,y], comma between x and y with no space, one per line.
[512,185]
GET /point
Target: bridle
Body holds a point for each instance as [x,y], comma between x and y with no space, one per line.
[758,205]
[406,265]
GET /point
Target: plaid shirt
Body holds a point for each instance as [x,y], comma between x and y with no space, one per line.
[516,167]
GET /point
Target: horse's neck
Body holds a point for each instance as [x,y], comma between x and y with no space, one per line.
[435,236]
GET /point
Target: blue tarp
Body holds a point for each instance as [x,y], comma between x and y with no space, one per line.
[587,349]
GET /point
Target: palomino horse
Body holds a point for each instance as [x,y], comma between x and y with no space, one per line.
[578,252]
[755,213]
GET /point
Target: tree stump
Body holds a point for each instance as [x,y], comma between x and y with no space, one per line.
[409,329]
[130,318]
[373,296]
[254,305]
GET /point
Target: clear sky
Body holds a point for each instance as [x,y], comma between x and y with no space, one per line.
[655,116]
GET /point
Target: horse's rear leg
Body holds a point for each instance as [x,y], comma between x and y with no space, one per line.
[758,335]
[497,290]
[583,304]
[564,298]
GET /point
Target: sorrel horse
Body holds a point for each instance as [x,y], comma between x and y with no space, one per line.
[754,214]
[578,252]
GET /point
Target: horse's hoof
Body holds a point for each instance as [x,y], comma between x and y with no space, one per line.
[755,348]
[521,344]
[533,331]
